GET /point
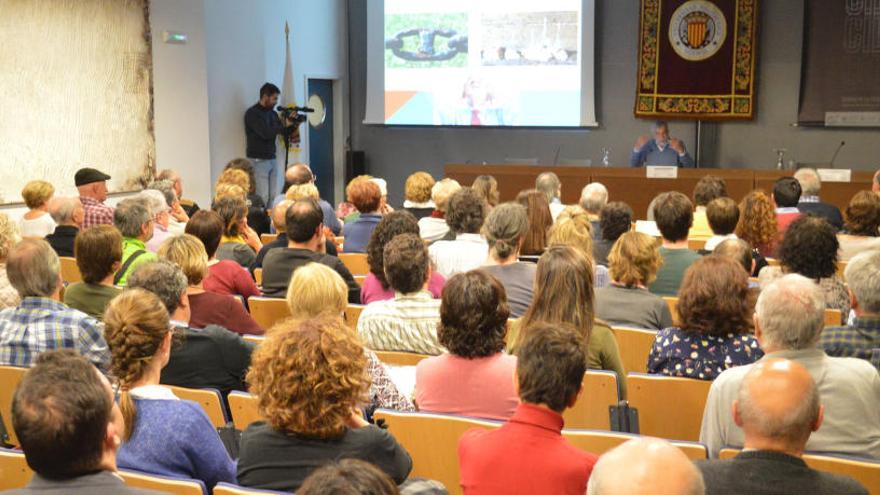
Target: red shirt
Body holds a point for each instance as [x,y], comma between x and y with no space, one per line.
[783,220]
[527,455]
[228,277]
[209,308]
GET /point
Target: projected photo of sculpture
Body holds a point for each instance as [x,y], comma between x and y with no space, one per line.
[77,91]
[531,38]
[426,40]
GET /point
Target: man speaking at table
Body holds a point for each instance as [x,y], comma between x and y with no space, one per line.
[661,150]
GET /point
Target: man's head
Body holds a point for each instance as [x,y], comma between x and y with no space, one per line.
[279,215]
[91,183]
[674,214]
[174,177]
[777,406]
[134,219]
[166,187]
[558,386]
[548,183]
[269,95]
[644,466]
[33,269]
[786,192]
[615,219]
[67,210]
[809,180]
[406,263]
[723,215]
[304,221]
[739,251]
[660,131]
[863,277]
[593,198]
[790,314]
[298,174]
[166,281]
[160,210]
[708,188]
[98,252]
[466,212]
[65,417]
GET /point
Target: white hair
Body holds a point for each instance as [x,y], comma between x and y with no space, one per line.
[809,180]
[155,201]
[382,183]
[863,277]
[63,208]
[548,183]
[593,197]
[791,312]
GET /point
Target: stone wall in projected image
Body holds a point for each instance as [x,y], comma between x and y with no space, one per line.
[76,79]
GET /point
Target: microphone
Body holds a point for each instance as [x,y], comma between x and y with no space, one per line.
[556,156]
[834,156]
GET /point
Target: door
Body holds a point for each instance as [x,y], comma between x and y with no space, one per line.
[321,136]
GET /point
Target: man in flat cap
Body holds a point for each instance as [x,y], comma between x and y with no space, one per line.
[92,186]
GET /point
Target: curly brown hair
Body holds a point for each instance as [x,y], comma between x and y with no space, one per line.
[714,298]
[392,225]
[757,220]
[473,315]
[863,214]
[466,212]
[309,376]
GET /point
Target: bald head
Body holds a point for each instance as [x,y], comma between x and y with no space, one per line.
[279,215]
[644,466]
[298,173]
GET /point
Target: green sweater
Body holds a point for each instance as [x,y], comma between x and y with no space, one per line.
[91,299]
[670,275]
[130,246]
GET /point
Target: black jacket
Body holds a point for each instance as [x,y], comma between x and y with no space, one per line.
[827,211]
[62,239]
[280,263]
[261,125]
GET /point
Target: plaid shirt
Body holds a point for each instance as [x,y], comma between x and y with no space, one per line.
[38,325]
[859,340]
[96,213]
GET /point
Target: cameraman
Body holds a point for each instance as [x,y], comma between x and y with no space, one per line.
[261,125]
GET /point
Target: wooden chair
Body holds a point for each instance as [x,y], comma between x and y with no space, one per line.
[841,269]
[14,471]
[669,407]
[267,311]
[210,400]
[591,410]
[599,442]
[672,302]
[352,314]
[267,238]
[69,271]
[360,279]
[229,489]
[355,262]
[833,318]
[697,244]
[635,345]
[254,339]
[772,261]
[244,409]
[395,358]
[165,484]
[10,376]
[258,277]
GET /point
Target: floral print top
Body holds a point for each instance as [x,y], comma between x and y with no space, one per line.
[677,352]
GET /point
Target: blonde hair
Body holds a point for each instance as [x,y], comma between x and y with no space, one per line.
[9,235]
[229,191]
[442,191]
[634,259]
[573,228]
[187,252]
[235,176]
[299,192]
[418,187]
[36,193]
[315,289]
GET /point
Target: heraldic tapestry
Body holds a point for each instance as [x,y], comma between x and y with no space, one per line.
[697,59]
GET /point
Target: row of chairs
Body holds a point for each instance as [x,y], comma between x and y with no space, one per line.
[833,317]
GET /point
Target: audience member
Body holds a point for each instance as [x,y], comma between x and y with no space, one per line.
[594,197]
[674,215]
[810,248]
[475,378]
[300,174]
[92,187]
[41,322]
[785,197]
[861,338]
[757,223]
[305,236]
[206,308]
[777,407]
[417,195]
[739,251]
[434,227]
[310,379]
[8,239]
[633,264]
[346,211]
[257,218]
[133,220]
[548,184]
[98,257]
[722,215]
[301,192]
[789,318]
[528,454]
[862,224]
[189,206]
[163,435]
[209,357]
[69,426]
[367,198]
[615,219]
[161,214]
[177,217]
[384,207]
[37,223]
[708,189]
[540,221]
[224,276]
[505,230]
[227,190]
[239,242]
[68,214]
[486,187]
[572,228]
[409,321]
[376,287]
[645,465]
[348,477]
[810,203]
[469,250]
[714,332]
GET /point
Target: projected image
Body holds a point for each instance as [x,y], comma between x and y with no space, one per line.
[533,38]
[426,40]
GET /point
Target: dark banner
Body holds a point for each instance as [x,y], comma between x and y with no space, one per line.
[840,82]
[697,59]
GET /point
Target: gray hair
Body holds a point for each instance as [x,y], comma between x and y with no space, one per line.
[166,187]
[155,201]
[168,174]
[593,197]
[548,183]
[62,209]
[863,276]
[809,180]
[33,268]
[791,313]
[794,425]
[505,227]
[130,215]
[163,278]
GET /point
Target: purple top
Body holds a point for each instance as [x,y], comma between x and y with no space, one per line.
[372,289]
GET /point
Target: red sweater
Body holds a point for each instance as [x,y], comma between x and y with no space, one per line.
[209,308]
[228,277]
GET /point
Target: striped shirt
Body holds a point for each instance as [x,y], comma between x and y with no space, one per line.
[859,340]
[406,323]
[95,213]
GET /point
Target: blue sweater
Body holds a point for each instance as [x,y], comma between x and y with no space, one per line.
[176,438]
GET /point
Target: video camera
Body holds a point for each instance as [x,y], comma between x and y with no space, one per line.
[294,115]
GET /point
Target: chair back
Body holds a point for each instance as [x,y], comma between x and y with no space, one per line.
[211,401]
[599,442]
[69,271]
[841,269]
[164,484]
[244,409]
[352,314]
[355,262]
[14,471]
[672,302]
[10,376]
[669,407]
[396,358]
[254,339]
[600,391]
[697,244]
[360,279]
[267,238]
[267,311]
[833,317]
[258,276]
[230,489]
[635,345]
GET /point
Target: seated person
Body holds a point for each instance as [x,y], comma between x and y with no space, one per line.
[674,215]
[594,197]
[528,454]
[348,476]
[161,212]
[408,322]
[862,223]
[68,214]
[861,338]
[134,221]
[417,195]
[296,193]
[573,228]
[723,215]
[785,197]
[224,276]
[69,427]
[715,329]
[465,215]
[177,217]
[475,378]
[98,256]
[633,264]
[163,435]
[757,225]
[740,252]
[548,183]
[376,286]
[310,380]
[367,198]
[789,318]
[810,203]
[37,223]
[239,243]
[434,227]
[300,174]
[505,230]
[660,149]
[645,465]
[777,408]
[9,237]
[188,206]
[92,187]
[708,189]
[615,220]
[540,219]
[305,244]
[256,204]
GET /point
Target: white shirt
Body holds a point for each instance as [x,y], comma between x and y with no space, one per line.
[40,227]
[465,253]
[433,229]
[556,208]
[715,240]
[406,323]
[153,392]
